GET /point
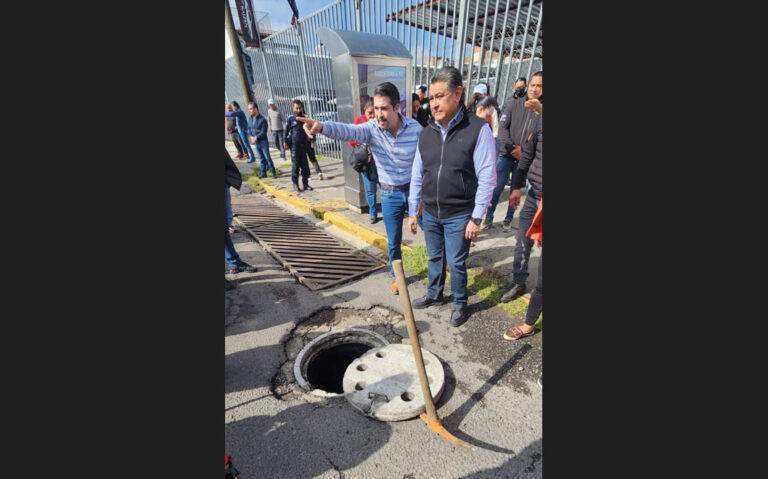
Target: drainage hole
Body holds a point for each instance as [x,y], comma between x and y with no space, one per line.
[379,354]
[407,396]
[326,370]
[362,367]
[360,386]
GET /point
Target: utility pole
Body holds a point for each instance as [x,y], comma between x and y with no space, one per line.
[235,43]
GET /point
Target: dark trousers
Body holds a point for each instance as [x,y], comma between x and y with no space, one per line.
[524,243]
[313,159]
[277,136]
[238,141]
[299,164]
[537,295]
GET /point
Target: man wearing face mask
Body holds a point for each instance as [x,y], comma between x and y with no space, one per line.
[298,141]
[517,120]
[392,138]
[520,85]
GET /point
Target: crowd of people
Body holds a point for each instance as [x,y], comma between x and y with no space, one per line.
[442,168]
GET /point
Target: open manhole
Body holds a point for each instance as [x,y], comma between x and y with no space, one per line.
[320,366]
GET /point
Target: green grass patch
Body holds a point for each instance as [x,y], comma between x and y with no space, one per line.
[487,284]
[257,170]
[253,181]
[415,261]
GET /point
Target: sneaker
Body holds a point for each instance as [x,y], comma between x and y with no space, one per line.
[239,155]
[487,223]
[426,301]
[308,188]
[513,293]
[459,316]
[321,176]
[393,287]
[373,220]
[242,267]
[507,225]
[251,161]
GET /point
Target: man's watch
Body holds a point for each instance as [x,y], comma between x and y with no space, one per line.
[477,221]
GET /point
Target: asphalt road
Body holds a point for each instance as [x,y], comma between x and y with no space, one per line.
[491,399]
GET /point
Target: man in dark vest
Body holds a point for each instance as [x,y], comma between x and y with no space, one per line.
[453,176]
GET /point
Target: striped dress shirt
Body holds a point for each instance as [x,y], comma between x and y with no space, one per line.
[394,155]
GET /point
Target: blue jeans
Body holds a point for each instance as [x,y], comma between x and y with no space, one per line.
[247,143]
[229,247]
[504,167]
[370,192]
[524,243]
[394,207]
[262,148]
[446,244]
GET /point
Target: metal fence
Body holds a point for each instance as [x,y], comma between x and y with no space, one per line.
[489,41]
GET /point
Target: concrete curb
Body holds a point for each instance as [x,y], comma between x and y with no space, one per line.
[374,238]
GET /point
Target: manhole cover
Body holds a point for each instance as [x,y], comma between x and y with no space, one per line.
[320,365]
[383,383]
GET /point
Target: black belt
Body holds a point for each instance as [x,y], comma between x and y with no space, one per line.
[405,187]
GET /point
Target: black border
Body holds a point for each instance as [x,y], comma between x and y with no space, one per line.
[126,285]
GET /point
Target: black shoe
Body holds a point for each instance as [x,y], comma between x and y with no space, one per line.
[513,293]
[295,187]
[374,220]
[262,176]
[459,316]
[242,267]
[308,188]
[426,301]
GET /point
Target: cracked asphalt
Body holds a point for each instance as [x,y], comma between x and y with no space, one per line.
[490,400]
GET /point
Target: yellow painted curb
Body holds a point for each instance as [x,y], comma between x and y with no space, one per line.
[288,197]
[369,236]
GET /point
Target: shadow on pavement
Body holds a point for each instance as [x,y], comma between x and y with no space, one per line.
[304,441]
[526,464]
[452,421]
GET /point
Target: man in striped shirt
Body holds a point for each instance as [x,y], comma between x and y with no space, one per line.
[393,139]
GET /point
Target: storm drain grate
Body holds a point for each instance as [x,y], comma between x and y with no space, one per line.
[317,259]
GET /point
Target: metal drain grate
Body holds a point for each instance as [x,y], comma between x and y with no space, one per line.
[317,259]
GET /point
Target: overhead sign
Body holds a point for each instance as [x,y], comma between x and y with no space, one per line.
[247,23]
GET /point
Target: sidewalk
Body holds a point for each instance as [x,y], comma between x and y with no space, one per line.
[493,249]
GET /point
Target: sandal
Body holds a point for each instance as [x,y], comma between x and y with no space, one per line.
[515,333]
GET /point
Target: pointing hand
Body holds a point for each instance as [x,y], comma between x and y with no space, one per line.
[312,127]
